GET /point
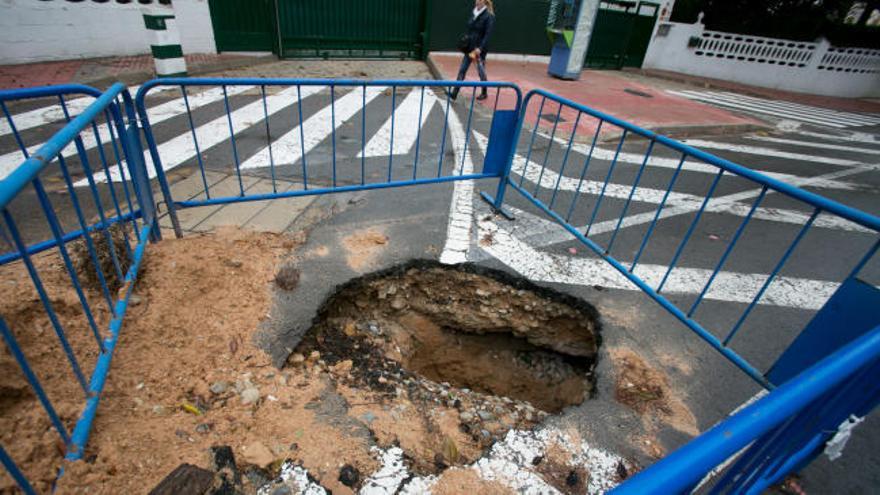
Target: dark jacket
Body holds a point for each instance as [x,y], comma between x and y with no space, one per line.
[480,29]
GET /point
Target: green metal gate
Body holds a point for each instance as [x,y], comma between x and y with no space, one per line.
[244,25]
[621,34]
[353,28]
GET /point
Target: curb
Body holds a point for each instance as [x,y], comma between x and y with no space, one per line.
[130,78]
[691,131]
[432,68]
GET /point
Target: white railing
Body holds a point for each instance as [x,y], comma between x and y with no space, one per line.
[858,60]
[755,49]
[808,67]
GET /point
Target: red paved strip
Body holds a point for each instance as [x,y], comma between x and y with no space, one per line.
[600,90]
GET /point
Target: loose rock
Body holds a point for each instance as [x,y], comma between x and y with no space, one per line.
[349,475]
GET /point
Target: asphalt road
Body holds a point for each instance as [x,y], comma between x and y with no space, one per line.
[449,221]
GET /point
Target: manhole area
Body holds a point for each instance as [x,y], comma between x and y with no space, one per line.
[468,329]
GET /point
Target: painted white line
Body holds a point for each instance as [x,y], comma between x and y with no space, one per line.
[48,114]
[736,287]
[288,149]
[690,166]
[157,114]
[549,180]
[406,125]
[851,137]
[845,118]
[814,144]
[461,211]
[720,101]
[866,119]
[716,98]
[178,150]
[761,151]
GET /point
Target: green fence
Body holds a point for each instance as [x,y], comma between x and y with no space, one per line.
[520,25]
[621,34]
[244,25]
[353,28]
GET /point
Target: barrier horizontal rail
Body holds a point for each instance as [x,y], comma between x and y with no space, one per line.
[115,219]
[624,130]
[334,173]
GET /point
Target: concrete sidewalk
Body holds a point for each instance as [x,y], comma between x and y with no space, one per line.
[611,92]
[105,71]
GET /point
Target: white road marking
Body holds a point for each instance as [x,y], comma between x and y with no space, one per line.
[181,148]
[732,101]
[288,149]
[406,125]
[814,144]
[461,211]
[691,166]
[48,114]
[861,118]
[692,202]
[157,114]
[761,151]
[736,287]
[54,112]
[853,137]
[672,211]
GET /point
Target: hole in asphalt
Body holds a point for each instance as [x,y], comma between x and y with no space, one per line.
[468,326]
[637,93]
[551,117]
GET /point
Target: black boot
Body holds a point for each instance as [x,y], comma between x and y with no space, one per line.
[454,94]
[483,94]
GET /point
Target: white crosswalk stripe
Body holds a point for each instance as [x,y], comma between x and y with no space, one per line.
[157,114]
[814,144]
[178,150]
[406,125]
[785,110]
[690,165]
[289,148]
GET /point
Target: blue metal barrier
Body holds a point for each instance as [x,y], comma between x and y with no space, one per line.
[563,215]
[123,202]
[332,181]
[774,436]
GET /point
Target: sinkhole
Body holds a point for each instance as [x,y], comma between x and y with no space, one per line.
[468,326]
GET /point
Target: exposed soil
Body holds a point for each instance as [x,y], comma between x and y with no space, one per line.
[646,390]
[362,247]
[186,377]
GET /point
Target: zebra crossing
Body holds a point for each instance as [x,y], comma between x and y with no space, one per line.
[288,127]
[782,109]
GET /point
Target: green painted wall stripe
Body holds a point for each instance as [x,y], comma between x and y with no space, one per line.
[156,22]
[176,74]
[166,51]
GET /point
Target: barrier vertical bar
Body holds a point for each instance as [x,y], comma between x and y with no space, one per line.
[232,141]
[44,297]
[192,129]
[16,473]
[32,379]
[584,170]
[690,230]
[268,138]
[605,185]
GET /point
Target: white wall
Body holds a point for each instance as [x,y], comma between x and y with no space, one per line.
[34,31]
[796,66]
[194,22]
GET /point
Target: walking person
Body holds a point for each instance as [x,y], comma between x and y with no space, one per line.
[475,43]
